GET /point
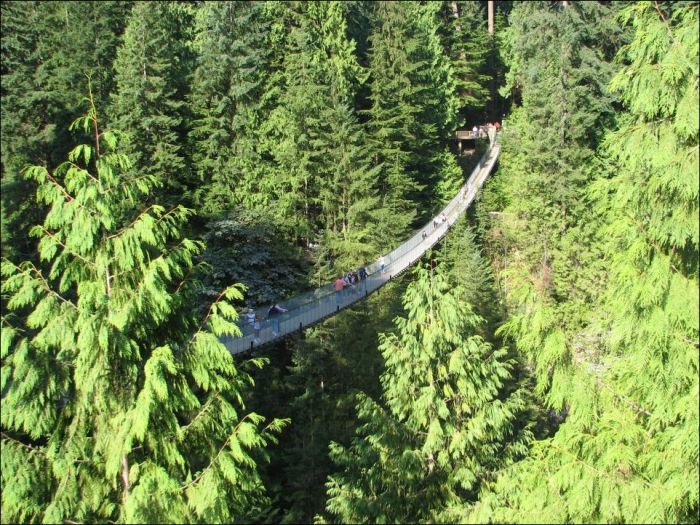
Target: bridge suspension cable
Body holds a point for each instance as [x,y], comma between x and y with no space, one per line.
[313,306]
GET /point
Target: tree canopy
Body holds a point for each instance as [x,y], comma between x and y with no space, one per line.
[165,166]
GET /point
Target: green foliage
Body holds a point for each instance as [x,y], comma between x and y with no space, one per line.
[120,402]
[448,422]
[48,51]
[152,69]
[625,380]
[233,58]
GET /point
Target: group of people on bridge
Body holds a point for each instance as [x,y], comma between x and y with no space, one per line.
[349,281]
[483,130]
[273,312]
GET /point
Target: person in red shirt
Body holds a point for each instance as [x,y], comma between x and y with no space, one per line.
[339,284]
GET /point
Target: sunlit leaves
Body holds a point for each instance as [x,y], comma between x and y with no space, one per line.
[108,364]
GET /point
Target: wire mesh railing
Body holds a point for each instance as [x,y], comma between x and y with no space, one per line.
[311,307]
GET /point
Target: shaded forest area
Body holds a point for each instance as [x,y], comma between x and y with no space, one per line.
[166,164]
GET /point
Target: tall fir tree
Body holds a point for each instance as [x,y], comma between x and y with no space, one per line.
[152,69]
[120,402]
[627,384]
[227,97]
[445,423]
[471,271]
[304,133]
[464,35]
[48,51]
[411,109]
[551,267]
[347,192]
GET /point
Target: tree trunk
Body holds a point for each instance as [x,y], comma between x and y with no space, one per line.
[125,478]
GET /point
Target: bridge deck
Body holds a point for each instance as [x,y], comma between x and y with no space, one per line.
[311,307]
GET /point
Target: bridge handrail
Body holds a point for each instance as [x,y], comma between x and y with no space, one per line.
[301,307]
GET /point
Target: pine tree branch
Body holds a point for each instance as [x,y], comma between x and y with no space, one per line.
[45,283]
[62,245]
[596,471]
[24,445]
[183,281]
[665,21]
[67,195]
[213,461]
[73,164]
[599,381]
[206,318]
[107,279]
[128,226]
[628,401]
[158,221]
[651,241]
[4,320]
[690,341]
[199,414]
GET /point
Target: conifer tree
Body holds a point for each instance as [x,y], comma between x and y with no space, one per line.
[152,69]
[627,385]
[552,269]
[48,51]
[444,424]
[233,65]
[293,177]
[411,92]
[465,39]
[471,271]
[320,77]
[120,401]
[347,189]
[440,108]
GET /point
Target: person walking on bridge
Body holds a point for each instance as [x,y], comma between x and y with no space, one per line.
[250,316]
[339,284]
[362,273]
[362,278]
[273,314]
[254,321]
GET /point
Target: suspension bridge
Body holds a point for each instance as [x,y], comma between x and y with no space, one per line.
[313,306]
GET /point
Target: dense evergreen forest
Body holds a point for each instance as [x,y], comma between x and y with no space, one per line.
[167,164]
